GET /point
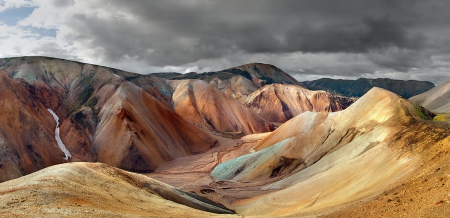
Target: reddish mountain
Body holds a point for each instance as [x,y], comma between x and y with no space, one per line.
[281,102]
[137,132]
[78,93]
[207,107]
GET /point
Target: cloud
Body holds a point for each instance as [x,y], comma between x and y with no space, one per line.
[400,59]
[7,4]
[347,38]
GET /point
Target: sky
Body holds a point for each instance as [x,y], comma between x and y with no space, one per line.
[341,39]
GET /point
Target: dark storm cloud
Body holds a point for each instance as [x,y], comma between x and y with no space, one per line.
[180,32]
[400,59]
[370,33]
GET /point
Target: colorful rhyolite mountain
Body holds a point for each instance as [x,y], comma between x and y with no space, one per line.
[209,138]
[131,121]
[281,102]
[436,99]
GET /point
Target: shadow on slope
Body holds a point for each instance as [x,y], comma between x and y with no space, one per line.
[92,189]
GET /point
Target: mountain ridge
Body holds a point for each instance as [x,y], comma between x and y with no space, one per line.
[358,87]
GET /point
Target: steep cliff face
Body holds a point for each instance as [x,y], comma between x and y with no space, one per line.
[281,102]
[357,88]
[207,107]
[436,99]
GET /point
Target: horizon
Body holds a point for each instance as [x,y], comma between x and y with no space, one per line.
[348,79]
[308,40]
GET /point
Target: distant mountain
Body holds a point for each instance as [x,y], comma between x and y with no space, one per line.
[238,81]
[281,102]
[357,88]
[436,99]
[207,107]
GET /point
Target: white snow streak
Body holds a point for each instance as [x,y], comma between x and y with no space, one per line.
[57,137]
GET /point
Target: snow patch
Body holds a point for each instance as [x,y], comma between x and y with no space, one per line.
[117,76]
[57,137]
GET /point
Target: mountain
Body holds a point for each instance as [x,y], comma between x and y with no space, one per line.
[205,106]
[281,102]
[238,81]
[91,102]
[357,88]
[436,99]
[137,132]
[99,190]
[27,138]
[208,146]
[320,161]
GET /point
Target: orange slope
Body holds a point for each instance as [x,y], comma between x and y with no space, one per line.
[137,132]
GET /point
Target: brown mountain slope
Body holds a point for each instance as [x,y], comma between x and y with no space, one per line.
[436,99]
[281,102]
[77,93]
[332,159]
[207,107]
[27,131]
[98,190]
[137,132]
[237,87]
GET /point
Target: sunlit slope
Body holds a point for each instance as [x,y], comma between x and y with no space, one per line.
[317,161]
[436,99]
[98,190]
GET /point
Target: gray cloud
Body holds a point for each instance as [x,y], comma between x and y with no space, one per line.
[386,34]
[62,3]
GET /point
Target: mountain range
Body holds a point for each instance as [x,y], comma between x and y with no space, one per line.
[357,88]
[245,141]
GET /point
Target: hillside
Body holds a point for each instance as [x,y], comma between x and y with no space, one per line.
[319,162]
[205,106]
[281,102]
[436,99]
[91,102]
[357,88]
[98,190]
[247,140]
